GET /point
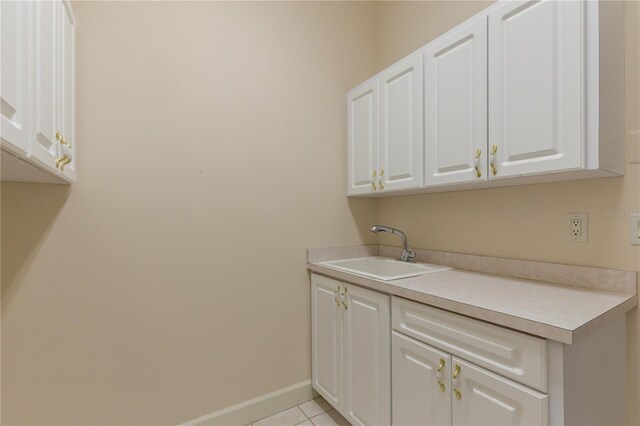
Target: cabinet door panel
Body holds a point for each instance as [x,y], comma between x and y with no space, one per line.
[326,339]
[367,363]
[456,106]
[67,87]
[417,396]
[44,147]
[362,137]
[536,77]
[401,141]
[14,112]
[489,399]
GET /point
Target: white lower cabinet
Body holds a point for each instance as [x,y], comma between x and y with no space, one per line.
[381,360]
[431,387]
[326,323]
[481,397]
[351,363]
[421,383]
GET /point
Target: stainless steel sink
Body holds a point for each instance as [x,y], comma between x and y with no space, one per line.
[383,268]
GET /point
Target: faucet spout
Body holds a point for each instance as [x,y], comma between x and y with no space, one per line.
[407,254]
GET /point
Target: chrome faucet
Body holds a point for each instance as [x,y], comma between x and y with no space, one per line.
[407,252]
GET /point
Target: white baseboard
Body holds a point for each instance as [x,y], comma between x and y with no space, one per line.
[258,408]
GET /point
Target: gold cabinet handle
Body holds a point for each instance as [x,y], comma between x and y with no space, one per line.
[494,150]
[61,140]
[380,179]
[337,292]
[345,305]
[64,162]
[456,371]
[373,180]
[439,375]
[476,162]
[344,291]
[61,161]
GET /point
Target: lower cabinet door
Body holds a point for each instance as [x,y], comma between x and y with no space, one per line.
[480,397]
[367,363]
[326,339]
[421,383]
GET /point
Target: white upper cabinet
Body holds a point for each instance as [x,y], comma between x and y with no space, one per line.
[455,118]
[14,109]
[67,91]
[40,100]
[536,80]
[44,147]
[523,92]
[363,138]
[401,141]
[385,140]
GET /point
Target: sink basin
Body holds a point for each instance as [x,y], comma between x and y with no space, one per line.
[383,268]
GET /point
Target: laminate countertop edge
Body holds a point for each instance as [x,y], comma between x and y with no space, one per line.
[612,304]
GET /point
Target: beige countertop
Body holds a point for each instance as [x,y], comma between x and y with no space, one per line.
[558,312]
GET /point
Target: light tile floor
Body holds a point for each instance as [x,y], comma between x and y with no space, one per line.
[316,412]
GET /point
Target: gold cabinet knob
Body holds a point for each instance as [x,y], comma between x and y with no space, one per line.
[458,394]
[441,365]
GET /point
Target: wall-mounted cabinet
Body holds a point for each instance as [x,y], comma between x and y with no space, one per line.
[38,92]
[455,119]
[385,130]
[523,92]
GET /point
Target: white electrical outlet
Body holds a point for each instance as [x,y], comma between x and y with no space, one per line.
[634,230]
[577,227]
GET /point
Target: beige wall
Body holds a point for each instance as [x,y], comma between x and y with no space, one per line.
[525,222]
[169,282]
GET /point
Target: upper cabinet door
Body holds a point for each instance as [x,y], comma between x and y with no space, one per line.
[67,90]
[535,88]
[485,398]
[326,339]
[401,141]
[363,138]
[44,146]
[456,106]
[367,363]
[15,23]
[421,383]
